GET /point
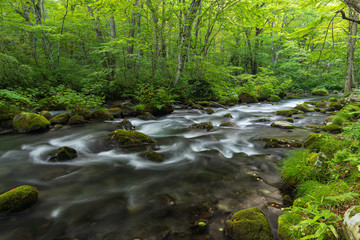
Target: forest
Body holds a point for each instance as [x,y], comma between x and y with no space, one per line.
[246,115]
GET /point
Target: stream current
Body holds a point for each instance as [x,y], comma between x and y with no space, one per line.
[115,194]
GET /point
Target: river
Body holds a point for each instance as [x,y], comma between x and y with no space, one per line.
[114,194]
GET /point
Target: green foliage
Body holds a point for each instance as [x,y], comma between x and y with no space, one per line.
[12,72]
[157,98]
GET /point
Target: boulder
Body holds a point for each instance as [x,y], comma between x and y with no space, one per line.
[101,114]
[62,154]
[209,110]
[280,143]
[247,98]
[30,122]
[116,112]
[125,125]
[274,98]
[314,141]
[228,116]
[322,104]
[332,128]
[291,120]
[248,224]
[46,114]
[18,199]
[296,111]
[131,138]
[153,156]
[62,118]
[282,124]
[146,116]
[353,98]
[262,120]
[216,105]
[304,108]
[351,223]
[204,125]
[332,99]
[228,124]
[197,106]
[76,119]
[287,113]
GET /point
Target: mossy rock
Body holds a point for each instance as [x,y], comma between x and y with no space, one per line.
[62,118]
[311,102]
[18,199]
[58,126]
[131,138]
[332,99]
[320,92]
[209,110]
[228,124]
[46,114]
[322,104]
[332,128]
[313,141]
[204,125]
[228,116]
[304,108]
[285,224]
[298,117]
[280,143]
[146,116]
[262,120]
[296,111]
[336,106]
[101,114]
[204,103]
[30,122]
[287,113]
[116,112]
[197,106]
[292,97]
[274,98]
[291,120]
[153,156]
[248,224]
[217,105]
[247,98]
[282,124]
[125,125]
[272,145]
[62,154]
[76,119]
[164,110]
[317,109]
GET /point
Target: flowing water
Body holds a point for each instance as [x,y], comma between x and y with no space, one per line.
[114,194]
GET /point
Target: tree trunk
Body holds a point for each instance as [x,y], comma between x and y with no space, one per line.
[350,73]
[61,31]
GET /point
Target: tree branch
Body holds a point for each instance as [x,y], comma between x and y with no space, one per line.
[345,17]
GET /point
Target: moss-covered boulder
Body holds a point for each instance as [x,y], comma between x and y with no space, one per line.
[204,125]
[216,105]
[46,114]
[320,92]
[62,154]
[62,118]
[146,116]
[332,99]
[304,108]
[287,113]
[125,125]
[262,120]
[274,98]
[314,141]
[164,110]
[332,128]
[153,156]
[351,223]
[197,106]
[116,112]
[322,104]
[131,138]
[101,114]
[296,111]
[290,120]
[282,124]
[280,142]
[76,119]
[18,199]
[334,106]
[247,98]
[209,110]
[228,124]
[30,122]
[228,115]
[248,224]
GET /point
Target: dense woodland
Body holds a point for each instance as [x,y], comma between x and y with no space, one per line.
[169,49]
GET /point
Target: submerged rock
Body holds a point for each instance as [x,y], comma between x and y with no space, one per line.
[153,156]
[204,125]
[18,199]
[247,98]
[62,154]
[351,223]
[281,124]
[28,122]
[131,138]
[125,125]
[62,118]
[248,224]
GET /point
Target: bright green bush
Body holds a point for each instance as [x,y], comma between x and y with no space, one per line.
[320,92]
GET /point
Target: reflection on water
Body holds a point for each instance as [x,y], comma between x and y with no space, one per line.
[110,193]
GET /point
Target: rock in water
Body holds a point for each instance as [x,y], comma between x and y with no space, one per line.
[29,122]
[153,156]
[125,125]
[62,154]
[76,119]
[247,98]
[131,138]
[46,114]
[248,224]
[18,199]
[282,124]
[62,118]
[204,125]
[351,224]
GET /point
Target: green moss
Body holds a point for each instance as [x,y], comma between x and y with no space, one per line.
[274,98]
[320,92]
[262,120]
[313,141]
[29,122]
[332,128]
[247,98]
[62,118]
[332,99]
[285,223]
[288,120]
[304,108]
[46,114]
[62,154]
[228,116]
[321,104]
[311,102]
[131,138]
[76,119]
[248,224]
[18,199]
[296,111]
[209,111]
[197,106]
[153,156]
[204,125]
[101,114]
[281,124]
[336,106]
[203,103]
[287,113]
